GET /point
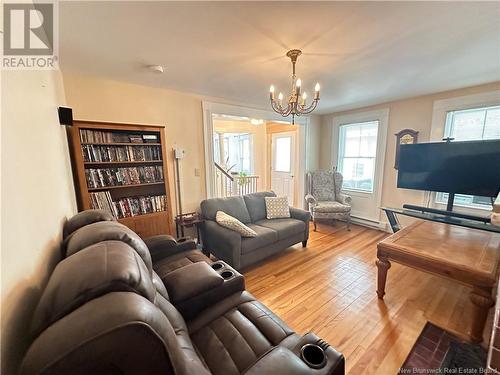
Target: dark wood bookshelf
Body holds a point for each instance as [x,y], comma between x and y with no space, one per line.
[146,224]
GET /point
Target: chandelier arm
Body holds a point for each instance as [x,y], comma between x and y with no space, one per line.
[311,108]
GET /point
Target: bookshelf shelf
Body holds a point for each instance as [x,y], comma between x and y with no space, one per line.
[125,186]
[119,144]
[111,163]
[144,207]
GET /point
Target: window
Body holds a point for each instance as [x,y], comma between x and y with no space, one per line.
[468,125]
[357,153]
[282,154]
[237,152]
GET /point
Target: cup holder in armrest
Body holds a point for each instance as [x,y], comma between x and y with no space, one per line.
[313,356]
[227,274]
[217,266]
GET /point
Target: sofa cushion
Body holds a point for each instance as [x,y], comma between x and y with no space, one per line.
[256,204]
[284,227]
[232,335]
[265,236]
[330,207]
[234,206]
[229,222]
[277,207]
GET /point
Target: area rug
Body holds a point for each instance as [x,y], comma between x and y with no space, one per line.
[440,352]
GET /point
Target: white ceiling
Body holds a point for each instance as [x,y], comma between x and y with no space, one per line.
[362,53]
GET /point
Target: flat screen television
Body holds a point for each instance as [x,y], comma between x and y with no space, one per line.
[460,167]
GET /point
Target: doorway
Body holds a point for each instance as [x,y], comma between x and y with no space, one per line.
[239,153]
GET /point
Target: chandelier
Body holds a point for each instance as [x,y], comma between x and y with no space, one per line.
[296,104]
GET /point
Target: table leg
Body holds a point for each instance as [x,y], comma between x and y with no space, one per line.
[481,302]
[383,265]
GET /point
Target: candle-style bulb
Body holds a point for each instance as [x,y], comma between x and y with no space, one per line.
[280,97]
[316,91]
[298,83]
[271,92]
[304,97]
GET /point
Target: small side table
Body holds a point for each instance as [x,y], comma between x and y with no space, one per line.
[189,220]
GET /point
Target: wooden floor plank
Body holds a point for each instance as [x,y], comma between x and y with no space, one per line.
[329,288]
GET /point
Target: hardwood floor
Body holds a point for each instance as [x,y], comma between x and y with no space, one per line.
[329,288]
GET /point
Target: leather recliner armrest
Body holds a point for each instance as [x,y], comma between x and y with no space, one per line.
[283,361]
[165,245]
[189,281]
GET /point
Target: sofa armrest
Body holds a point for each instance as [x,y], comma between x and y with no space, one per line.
[344,199]
[165,245]
[299,214]
[222,242]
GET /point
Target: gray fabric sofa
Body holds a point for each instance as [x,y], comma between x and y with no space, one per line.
[272,235]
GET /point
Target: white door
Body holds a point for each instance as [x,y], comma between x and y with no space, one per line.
[282,165]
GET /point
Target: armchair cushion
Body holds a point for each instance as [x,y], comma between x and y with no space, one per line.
[323,185]
[330,207]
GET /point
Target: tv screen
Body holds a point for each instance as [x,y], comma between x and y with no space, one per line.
[468,167]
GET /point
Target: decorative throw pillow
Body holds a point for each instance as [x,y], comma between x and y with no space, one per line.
[277,207]
[229,222]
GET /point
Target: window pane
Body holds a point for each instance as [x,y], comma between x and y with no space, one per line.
[282,154]
[472,124]
[357,151]
[358,173]
[467,125]
[492,124]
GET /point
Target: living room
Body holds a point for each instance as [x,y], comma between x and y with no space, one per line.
[391,76]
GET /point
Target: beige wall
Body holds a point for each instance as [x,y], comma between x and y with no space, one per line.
[258,140]
[106,100]
[414,113]
[37,196]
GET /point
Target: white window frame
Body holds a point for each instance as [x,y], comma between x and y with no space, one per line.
[341,146]
[438,132]
[382,115]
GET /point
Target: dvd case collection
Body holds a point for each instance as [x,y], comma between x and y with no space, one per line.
[94,153]
[104,177]
[130,206]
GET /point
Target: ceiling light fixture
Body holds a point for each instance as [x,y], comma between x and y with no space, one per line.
[156,68]
[296,104]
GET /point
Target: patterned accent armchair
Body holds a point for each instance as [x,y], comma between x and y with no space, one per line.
[325,199]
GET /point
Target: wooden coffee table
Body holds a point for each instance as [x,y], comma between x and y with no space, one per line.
[468,256]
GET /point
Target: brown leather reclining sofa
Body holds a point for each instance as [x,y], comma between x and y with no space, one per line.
[117,304]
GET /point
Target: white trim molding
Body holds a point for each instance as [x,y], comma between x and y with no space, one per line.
[382,116]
